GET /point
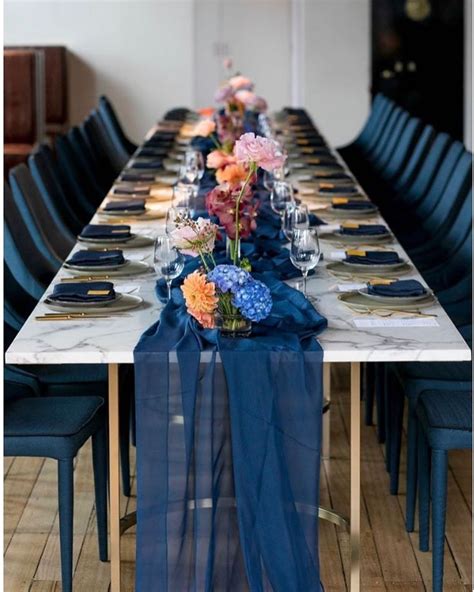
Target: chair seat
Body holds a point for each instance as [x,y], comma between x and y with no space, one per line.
[421,376]
[55,427]
[71,379]
[446,418]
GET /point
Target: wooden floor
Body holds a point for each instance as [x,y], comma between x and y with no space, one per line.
[390,558]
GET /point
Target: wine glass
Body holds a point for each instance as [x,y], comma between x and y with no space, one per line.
[167,260]
[268,180]
[182,194]
[194,165]
[294,217]
[173,217]
[281,195]
[305,251]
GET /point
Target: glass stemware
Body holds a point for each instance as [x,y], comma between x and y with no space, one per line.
[193,166]
[173,216]
[305,251]
[294,217]
[281,195]
[167,260]
[182,195]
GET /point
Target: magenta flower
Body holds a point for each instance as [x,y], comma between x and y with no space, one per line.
[257,151]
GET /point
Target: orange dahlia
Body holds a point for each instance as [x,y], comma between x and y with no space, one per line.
[199,294]
[232,174]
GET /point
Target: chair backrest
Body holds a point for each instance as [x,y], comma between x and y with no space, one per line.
[445,210]
[379,103]
[415,161]
[31,206]
[417,191]
[44,172]
[452,233]
[380,161]
[23,96]
[386,134]
[116,155]
[95,175]
[76,180]
[379,128]
[96,147]
[402,150]
[112,123]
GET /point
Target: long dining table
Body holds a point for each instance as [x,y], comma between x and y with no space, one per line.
[351,337]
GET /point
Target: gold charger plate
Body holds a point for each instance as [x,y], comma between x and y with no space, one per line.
[340,270]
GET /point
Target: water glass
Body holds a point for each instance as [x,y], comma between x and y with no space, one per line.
[167,260]
[305,251]
[182,197]
[173,216]
[281,195]
[194,165]
[294,218]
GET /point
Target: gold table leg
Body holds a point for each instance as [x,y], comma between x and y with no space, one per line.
[327,415]
[114,478]
[355,477]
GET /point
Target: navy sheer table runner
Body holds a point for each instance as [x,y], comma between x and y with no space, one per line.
[228,439]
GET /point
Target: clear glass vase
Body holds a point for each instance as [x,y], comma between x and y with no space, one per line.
[233,325]
[232,250]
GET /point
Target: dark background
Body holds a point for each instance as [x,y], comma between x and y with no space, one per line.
[420,63]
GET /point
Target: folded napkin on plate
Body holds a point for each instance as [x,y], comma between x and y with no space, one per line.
[337,174]
[152,151]
[397,288]
[83,292]
[363,229]
[372,257]
[137,177]
[97,258]
[127,190]
[137,205]
[337,188]
[107,231]
[150,164]
[352,204]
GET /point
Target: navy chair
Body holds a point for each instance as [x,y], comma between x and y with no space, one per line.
[98,134]
[31,208]
[112,123]
[57,427]
[45,173]
[97,177]
[77,185]
[96,148]
[445,423]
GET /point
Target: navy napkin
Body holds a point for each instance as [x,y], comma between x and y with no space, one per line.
[400,289]
[150,164]
[97,258]
[127,190]
[353,204]
[340,189]
[374,258]
[364,230]
[137,177]
[137,205]
[107,231]
[83,292]
[152,151]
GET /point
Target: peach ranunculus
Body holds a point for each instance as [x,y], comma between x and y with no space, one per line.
[232,174]
[259,151]
[240,83]
[200,297]
[218,159]
[205,128]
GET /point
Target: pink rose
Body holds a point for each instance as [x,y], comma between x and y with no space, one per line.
[265,153]
[218,159]
[241,83]
[224,93]
[205,128]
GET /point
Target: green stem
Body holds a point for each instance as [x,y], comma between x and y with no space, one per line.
[203,259]
[215,142]
[237,206]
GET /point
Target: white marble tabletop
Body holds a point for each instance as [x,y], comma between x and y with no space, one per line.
[112,340]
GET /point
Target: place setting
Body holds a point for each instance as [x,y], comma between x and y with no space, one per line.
[353,263]
[355,233]
[132,209]
[104,263]
[118,236]
[343,207]
[91,300]
[153,192]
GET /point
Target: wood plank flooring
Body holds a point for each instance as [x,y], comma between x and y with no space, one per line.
[391,561]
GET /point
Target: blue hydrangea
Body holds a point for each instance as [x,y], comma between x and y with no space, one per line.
[254,300]
[228,277]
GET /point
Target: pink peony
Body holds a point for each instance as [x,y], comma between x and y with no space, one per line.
[224,93]
[265,153]
[241,83]
[195,237]
[218,159]
[205,128]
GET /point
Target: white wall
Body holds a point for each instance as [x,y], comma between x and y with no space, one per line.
[468,16]
[150,55]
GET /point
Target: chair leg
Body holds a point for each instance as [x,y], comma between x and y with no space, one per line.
[423,490]
[368,390]
[125,443]
[99,460]
[439,481]
[412,464]
[378,387]
[66,518]
[395,407]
